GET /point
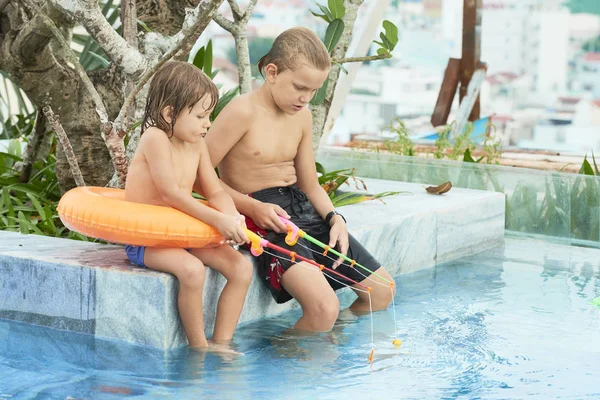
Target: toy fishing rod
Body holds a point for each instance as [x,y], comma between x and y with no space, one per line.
[293,232]
[256,248]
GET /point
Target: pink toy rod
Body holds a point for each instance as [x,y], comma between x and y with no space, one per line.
[256,248]
[293,232]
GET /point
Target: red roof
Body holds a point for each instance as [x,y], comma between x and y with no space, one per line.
[569,100]
[501,118]
[591,57]
[596,102]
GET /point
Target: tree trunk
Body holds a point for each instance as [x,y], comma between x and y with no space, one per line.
[29,54]
[319,113]
[243,62]
[164,16]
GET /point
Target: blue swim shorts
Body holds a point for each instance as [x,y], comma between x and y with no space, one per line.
[136,255]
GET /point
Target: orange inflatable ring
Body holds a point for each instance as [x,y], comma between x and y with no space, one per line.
[103,213]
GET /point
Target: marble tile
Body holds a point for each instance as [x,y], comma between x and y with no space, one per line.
[92,288]
[474,226]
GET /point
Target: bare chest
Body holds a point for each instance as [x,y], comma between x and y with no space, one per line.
[271,143]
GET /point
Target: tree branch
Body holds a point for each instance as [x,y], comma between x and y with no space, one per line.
[129,23]
[235,10]
[249,10]
[238,30]
[116,48]
[75,64]
[128,19]
[113,141]
[319,113]
[361,59]
[33,147]
[202,15]
[66,145]
[224,23]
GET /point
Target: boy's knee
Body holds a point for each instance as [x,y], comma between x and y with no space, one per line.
[243,271]
[193,275]
[326,312]
[383,299]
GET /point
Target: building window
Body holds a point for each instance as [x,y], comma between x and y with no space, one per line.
[387,112]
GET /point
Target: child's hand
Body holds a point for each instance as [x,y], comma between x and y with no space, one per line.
[338,238]
[266,216]
[232,228]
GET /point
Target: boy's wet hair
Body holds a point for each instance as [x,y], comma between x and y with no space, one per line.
[291,46]
[178,85]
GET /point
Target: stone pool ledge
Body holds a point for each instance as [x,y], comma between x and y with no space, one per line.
[92,288]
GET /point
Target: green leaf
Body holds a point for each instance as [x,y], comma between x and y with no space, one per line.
[38,206]
[379,43]
[467,157]
[208,58]
[337,8]
[382,51]
[199,58]
[391,33]
[143,25]
[7,197]
[320,168]
[319,97]
[223,101]
[324,17]
[333,34]
[325,11]
[386,41]
[100,61]
[586,168]
[23,223]
[595,165]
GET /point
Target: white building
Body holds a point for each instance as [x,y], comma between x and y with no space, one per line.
[573,126]
[381,93]
[587,76]
[519,36]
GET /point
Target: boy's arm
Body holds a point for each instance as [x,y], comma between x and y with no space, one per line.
[308,182]
[158,154]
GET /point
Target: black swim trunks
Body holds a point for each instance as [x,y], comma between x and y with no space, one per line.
[303,214]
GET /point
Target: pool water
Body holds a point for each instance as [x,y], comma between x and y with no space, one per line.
[513,322]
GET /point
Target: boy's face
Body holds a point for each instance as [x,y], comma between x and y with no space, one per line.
[191,125]
[293,89]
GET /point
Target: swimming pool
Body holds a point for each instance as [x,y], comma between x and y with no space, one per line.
[513,322]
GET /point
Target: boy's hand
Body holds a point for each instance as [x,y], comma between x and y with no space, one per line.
[232,228]
[266,216]
[338,238]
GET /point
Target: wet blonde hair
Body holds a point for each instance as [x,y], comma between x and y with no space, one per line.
[178,85]
[294,46]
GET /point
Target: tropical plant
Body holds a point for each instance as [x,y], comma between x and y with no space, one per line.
[585,203]
[403,144]
[30,207]
[333,180]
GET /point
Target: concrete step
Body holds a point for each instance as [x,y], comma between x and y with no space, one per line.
[92,288]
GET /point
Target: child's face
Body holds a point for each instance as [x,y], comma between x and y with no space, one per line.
[191,125]
[293,89]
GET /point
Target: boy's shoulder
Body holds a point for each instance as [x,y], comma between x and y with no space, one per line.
[243,106]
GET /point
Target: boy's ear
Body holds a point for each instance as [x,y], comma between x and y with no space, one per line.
[271,72]
[167,113]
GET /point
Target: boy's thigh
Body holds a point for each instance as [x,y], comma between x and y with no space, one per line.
[223,259]
[356,252]
[307,284]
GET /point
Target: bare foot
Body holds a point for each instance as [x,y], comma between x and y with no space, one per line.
[224,348]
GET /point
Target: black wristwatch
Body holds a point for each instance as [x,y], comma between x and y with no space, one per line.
[331,214]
